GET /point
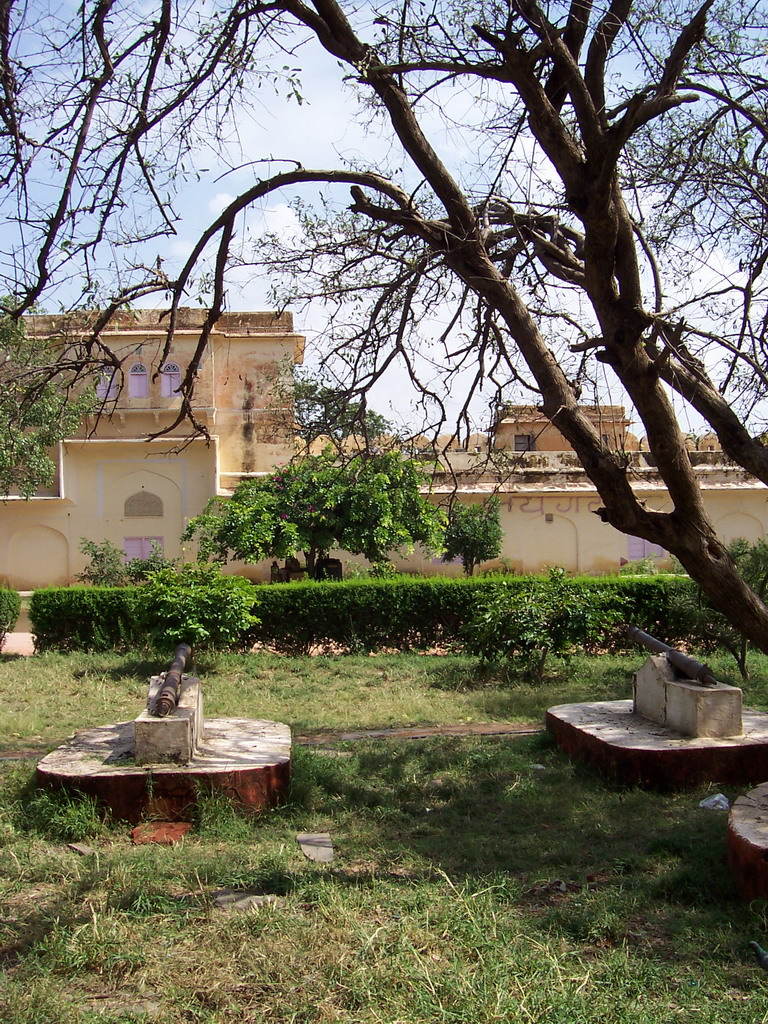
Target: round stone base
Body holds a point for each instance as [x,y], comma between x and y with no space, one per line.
[629,749]
[247,759]
[748,843]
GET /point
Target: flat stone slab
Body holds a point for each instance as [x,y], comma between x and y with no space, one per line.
[247,759]
[316,846]
[611,737]
[748,843]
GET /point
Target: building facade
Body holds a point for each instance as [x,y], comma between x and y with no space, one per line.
[113,482]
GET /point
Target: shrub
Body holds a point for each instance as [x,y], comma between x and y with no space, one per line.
[198,605]
[106,567]
[405,613]
[473,534]
[138,570]
[554,615]
[10,605]
[710,627]
[85,618]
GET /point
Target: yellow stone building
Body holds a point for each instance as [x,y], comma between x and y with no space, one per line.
[112,483]
[549,505]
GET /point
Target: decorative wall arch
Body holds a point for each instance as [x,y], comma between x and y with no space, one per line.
[38,556]
[557,543]
[739,524]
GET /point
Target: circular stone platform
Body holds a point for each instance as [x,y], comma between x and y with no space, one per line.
[248,759]
[629,749]
[748,843]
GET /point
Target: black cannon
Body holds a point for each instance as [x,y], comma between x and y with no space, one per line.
[682,663]
[170,691]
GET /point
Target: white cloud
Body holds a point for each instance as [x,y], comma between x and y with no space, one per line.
[219,202]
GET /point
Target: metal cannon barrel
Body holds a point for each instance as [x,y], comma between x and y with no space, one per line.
[686,666]
[170,691]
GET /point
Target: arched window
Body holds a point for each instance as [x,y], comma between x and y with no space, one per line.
[106,387]
[138,381]
[170,377]
[143,504]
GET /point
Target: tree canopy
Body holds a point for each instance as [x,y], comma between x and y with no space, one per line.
[325,412]
[576,199]
[370,505]
[473,534]
[36,411]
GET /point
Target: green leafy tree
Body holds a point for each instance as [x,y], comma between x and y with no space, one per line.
[473,534]
[35,412]
[325,412]
[197,604]
[370,505]
[550,616]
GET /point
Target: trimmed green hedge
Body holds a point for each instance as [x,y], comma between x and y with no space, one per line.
[419,613]
[10,606]
[85,618]
[354,615]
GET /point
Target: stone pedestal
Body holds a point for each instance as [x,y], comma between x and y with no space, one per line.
[685,706]
[175,738]
[248,760]
[632,750]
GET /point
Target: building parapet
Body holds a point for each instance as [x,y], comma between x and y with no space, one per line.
[562,469]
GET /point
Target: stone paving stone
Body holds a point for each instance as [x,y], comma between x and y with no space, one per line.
[240,901]
[316,846]
[82,848]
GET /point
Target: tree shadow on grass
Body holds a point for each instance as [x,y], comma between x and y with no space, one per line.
[478,807]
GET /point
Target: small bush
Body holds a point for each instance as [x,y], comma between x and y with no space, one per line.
[10,606]
[198,605]
[555,615]
[106,565]
[138,570]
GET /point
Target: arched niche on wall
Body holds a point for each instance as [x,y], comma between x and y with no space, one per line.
[38,556]
[130,490]
[556,543]
[739,524]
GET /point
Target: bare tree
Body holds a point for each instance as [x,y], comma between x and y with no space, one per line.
[612,223]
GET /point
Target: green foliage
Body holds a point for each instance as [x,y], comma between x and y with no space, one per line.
[365,614]
[86,618]
[325,412]
[138,570]
[473,534]
[547,616]
[647,566]
[370,505]
[106,566]
[35,411]
[62,816]
[10,606]
[709,626]
[198,605]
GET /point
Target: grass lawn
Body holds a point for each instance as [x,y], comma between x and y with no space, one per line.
[474,880]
